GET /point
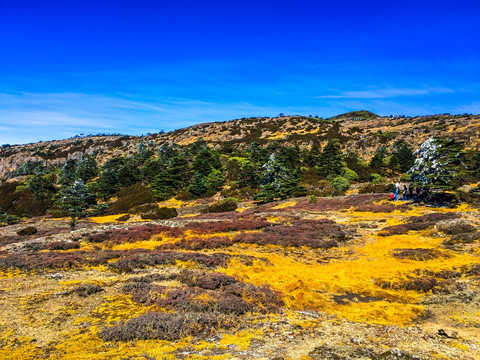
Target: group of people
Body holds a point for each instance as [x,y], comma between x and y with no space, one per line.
[407,194]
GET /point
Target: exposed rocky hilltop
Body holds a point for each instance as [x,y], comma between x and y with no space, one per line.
[360,131]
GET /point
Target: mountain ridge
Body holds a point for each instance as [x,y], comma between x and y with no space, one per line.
[356,133]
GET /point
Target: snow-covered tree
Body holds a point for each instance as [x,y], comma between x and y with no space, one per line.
[439,164]
[278,181]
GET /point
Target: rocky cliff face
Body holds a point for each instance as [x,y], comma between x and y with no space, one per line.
[363,136]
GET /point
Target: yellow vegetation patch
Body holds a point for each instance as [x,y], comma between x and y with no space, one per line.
[286,204]
[188,215]
[121,307]
[241,340]
[275,219]
[468,319]
[460,346]
[18,347]
[150,244]
[460,208]
[106,219]
[242,209]
[11,273]
[309,285]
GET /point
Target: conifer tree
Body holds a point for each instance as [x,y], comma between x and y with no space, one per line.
[67,173]
[108,183]
[402,157]
[331,160]
[378,162]
[197,187]
[313,156]
[86,168]
[164,185]
[42,184]
[74,200]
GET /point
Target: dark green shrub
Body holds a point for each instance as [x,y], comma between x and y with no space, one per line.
[229,204]
[144,208]
[130,197]
[466,238]
[340,184]
[210,281]
[167,213]
[154,212]
[372,188]
[6,219]
[29,230]
[421,284]
[312,199]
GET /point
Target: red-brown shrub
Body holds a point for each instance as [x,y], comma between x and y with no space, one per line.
[212,227]
[211,281]
[165,326]
[133,234]
[62,245]
[421,284]
[419,254]
[402,229]
[316,234]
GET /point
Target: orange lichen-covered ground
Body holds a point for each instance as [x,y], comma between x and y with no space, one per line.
[349,277]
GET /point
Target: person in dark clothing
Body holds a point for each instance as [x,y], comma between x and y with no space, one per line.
[410,192]
[404,198]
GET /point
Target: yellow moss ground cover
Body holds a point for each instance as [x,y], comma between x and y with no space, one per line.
[310,285]
[18,347]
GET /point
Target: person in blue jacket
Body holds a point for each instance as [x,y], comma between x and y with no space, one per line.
[396,192]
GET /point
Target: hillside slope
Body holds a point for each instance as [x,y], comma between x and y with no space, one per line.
[361,136]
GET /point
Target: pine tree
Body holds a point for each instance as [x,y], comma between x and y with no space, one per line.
[402,158]
[378,162]
[108,183]
[150,169]
[205,161]
[197,187]
[67,173]
[129,173]
[180,170]
[42,185]
[74,200]
[313,156]
[249,176]
[331,160]
[86,168]
[164,185]
[214,180]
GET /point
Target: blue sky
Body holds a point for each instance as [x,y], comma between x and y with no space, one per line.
[133,67]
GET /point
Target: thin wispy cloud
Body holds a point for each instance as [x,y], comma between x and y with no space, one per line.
[27,117]
[387,93]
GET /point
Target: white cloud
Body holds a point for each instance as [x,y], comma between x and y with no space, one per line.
[387,93]
[29,117]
